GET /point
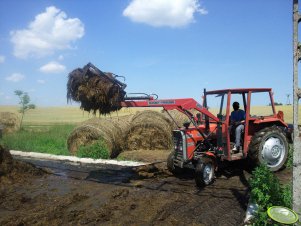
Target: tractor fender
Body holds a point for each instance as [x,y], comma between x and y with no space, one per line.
[213,157]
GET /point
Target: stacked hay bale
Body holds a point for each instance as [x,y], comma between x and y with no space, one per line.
[92,131]
[123,123]
[179,117]
[9,121]
[94,90]
[110,131]
[149,130]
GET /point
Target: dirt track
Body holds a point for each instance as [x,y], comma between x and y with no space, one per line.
[112,195]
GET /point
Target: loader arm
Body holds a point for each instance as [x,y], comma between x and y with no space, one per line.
[181,105]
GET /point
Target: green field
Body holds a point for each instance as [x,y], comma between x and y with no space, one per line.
[44,139]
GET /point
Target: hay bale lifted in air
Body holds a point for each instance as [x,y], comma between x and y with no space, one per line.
[9,121]
[96,129]
[94,90]
[149,130]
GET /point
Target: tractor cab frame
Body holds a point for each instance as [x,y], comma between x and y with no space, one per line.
[253,123]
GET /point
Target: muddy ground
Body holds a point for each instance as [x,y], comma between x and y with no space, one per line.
[64,193]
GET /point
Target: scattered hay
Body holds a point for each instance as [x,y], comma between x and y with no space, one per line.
[149,130]
[11,169]
[10,122]
[94,90]
[96,129]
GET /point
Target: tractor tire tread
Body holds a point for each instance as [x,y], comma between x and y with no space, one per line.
[256,141]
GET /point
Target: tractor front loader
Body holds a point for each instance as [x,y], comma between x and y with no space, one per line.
[207,140]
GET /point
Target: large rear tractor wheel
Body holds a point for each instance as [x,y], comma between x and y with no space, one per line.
[170,164]
[269,146]
[204,172]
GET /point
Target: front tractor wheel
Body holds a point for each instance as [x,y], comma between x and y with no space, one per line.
[269,146]
[204,172]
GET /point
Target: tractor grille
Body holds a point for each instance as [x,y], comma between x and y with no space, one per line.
[179,145]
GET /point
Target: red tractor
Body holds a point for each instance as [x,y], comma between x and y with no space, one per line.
[208,138]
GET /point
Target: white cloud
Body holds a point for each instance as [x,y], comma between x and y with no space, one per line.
[50,31]
[52,67]
[15,77]
[41,81]
[158,13]
[61,57]
[2,59]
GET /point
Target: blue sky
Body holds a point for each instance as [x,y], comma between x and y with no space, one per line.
[173,48]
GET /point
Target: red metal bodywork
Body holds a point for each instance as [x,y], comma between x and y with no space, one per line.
[195,134]
[171,104]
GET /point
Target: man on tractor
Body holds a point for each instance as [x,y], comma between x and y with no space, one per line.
[237,120]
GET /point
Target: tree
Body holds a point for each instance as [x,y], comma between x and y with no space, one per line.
[25,104]
[276,104]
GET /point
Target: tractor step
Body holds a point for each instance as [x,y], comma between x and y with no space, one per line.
[237,156]
[178,163]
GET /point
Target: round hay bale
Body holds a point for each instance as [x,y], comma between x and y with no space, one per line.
[179,117]
[149,130]
[123,122]
[9,121]
[93,130]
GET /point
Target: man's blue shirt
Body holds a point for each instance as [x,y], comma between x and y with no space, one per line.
[237,116]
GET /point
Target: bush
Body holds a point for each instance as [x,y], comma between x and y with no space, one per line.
[289,162]
[97,150]
[266,191]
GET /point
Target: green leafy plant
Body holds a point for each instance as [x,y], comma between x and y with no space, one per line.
[96,150]
[287,195]
[289,162]
[266,191]
[25,104]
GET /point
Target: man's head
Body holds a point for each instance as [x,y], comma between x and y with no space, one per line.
[235,105]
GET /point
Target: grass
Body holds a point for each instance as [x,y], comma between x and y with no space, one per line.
[95,151]
[44,139]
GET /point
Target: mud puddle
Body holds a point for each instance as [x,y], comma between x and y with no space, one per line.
[76,194]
